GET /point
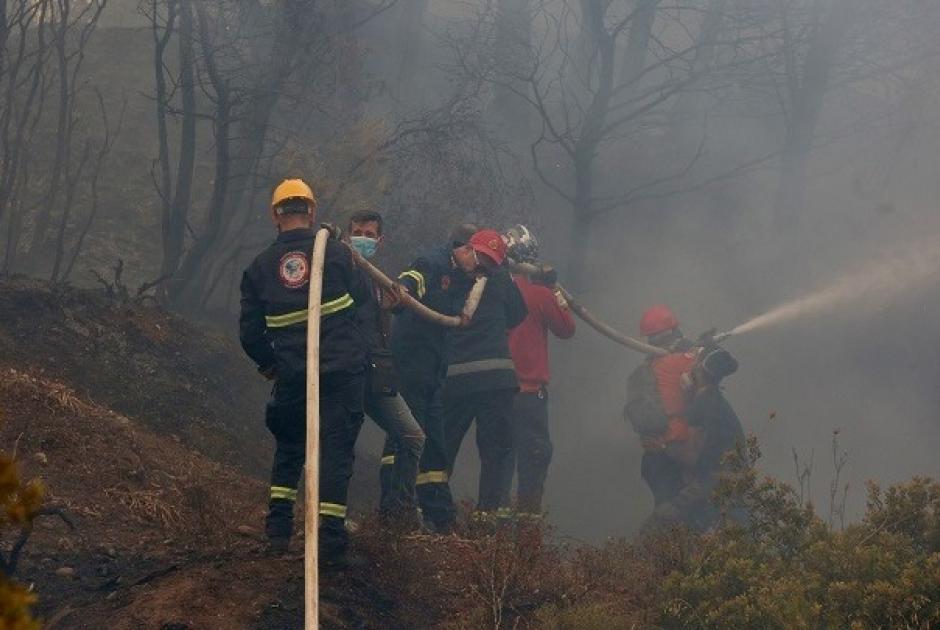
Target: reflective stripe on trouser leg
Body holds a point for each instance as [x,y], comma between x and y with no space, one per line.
[285,474]
[333,509]
[431,476]
[283,492]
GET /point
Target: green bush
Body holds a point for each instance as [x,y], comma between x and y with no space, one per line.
[785,568]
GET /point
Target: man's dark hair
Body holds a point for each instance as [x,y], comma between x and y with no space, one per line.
[292,206]
[461,234]
[367,216]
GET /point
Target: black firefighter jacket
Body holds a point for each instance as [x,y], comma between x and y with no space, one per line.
[273,322]
[478,355]
[420,346]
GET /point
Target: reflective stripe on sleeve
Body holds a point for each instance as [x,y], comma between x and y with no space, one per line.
[418,277]
[388,460]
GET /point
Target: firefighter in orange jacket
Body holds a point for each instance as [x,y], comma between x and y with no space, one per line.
[685,425]
[658,395]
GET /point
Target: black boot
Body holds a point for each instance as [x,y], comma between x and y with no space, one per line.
[279,525]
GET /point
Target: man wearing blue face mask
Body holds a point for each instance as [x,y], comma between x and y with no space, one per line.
[404,440]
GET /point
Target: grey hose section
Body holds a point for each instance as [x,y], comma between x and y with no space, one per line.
[592,321]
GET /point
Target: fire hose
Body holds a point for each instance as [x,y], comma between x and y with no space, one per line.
[450,321]
[592,321]
[312,466]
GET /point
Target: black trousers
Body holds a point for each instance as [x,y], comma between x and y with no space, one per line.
[341,399]
[532,448]
[662,474]
[491,410]
[431,486]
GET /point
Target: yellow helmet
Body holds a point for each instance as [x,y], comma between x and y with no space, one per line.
[293,189]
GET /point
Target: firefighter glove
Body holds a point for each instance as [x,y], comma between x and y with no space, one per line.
[547,276]
[335,231]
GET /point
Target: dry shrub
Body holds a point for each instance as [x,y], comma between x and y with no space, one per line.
[19,504]
[512,572]
[588,616]
[512,576]
[150,504]
[53,393]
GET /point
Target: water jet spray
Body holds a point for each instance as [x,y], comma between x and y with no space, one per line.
[871,286]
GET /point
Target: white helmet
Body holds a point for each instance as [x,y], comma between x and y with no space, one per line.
[522,246]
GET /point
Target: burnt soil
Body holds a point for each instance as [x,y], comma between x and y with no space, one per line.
[168,375]
[144,431]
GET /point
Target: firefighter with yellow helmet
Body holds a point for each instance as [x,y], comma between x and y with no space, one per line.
[273,332]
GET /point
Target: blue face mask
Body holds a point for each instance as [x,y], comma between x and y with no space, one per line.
[364,245]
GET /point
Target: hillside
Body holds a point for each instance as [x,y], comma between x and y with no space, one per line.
[147,434]
[141,362]
[143,430]
[161,536]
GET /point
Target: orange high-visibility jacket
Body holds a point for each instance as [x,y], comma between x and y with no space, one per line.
[674,382]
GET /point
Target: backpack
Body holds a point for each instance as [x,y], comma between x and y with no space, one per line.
[644,408]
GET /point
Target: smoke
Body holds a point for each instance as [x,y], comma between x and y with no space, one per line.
[865,290]
[854,351]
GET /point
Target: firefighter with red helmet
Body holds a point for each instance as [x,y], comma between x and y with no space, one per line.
[481,380]
[675,406]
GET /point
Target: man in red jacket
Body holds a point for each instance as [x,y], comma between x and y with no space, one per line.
[528,344]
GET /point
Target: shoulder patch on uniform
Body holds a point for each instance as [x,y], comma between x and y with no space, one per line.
[445,282]
[293,270]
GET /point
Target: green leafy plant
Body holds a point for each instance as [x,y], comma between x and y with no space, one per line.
[785,567]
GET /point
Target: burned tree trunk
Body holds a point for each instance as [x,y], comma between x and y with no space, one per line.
[73,27]
[592,134]
[174,238]
[218,204]
[511,46]
[808,86]
[161,41]
[638,41]
[63,132]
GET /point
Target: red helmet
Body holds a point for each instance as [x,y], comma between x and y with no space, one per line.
[657,319]
[490,243]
